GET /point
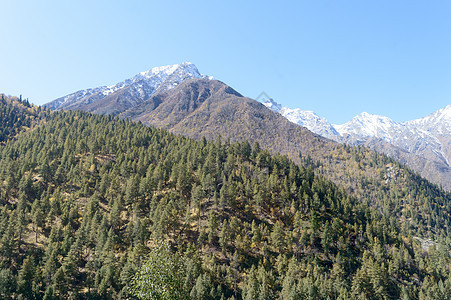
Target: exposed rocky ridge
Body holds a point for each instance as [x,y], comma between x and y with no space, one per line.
[128,93]
[424,145]
[208,108]
[427,137]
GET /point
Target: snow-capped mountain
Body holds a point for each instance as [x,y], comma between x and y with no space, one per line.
[427,137]
[423,144]
[273,105]
[305,118]
[366,125]
[439,121]
[310,120]
[128,93]
[435,132]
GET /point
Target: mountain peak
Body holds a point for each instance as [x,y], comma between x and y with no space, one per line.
[366,125]
[305,118]
[446,111]
[271,104]
[368,116]
[364,114]
[170,69]
[439,121]
[130,92]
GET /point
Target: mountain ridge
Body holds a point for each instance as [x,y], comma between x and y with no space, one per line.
[202,108]
[129,92]
[147,96]
[425,142]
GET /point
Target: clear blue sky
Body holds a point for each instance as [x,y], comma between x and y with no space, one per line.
[337,58]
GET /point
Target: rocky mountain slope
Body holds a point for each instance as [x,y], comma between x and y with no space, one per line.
[427,137]
[209,108]
[197,106]
[128,93]
[204,108]
[152,97]
[423,144]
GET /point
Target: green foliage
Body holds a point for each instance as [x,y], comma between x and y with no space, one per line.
[161,276]
[7,283]
[17,115]
[85,199]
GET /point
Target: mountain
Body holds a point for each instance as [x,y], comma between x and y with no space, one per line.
[423,145]
[425,142]
[201,108]
[366,125]
[95,207]
[427,137]
[435,130]
[197,107]
[128,93]
[305,118]
[206,108]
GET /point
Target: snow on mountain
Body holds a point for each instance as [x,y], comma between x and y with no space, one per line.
[435,133]
[439,121]
[426,140]
[138,88]
[428,137]
[310,120]
[367,125]
[272,105]
[305,118]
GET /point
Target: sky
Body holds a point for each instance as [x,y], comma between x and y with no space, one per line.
[337,58]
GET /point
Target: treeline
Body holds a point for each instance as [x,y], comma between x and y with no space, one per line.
[16,115]
[85,198]
[423,208]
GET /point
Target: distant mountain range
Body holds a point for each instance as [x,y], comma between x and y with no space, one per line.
[423,144]
[180,98]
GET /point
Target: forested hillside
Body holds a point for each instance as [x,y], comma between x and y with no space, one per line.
[85,198]
[17,115]
[209,108]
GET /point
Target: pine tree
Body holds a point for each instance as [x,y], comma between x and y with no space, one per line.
[224,236]
[161,276]
[25,278]
[7,283]
[278,237]
[37,217]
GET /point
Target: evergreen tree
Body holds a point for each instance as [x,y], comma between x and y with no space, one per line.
[161,276]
